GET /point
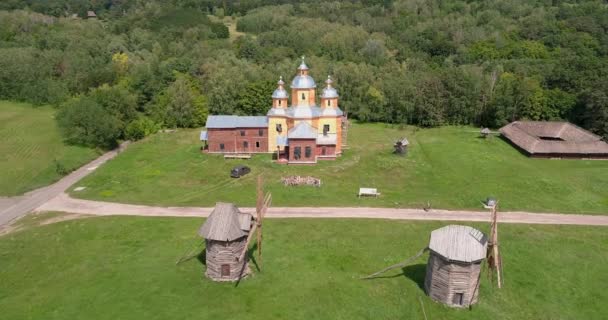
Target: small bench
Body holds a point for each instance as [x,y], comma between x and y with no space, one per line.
[372,192]
[237,156]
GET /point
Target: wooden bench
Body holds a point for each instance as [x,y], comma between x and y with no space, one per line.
[372,192]
[237,156]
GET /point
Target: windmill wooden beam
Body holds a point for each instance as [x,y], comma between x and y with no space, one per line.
[493,256]
[262,204]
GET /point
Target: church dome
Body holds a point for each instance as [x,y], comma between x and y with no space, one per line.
[329,92]
[303,82]
[280,92]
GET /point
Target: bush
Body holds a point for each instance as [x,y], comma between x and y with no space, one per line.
[85,122]
[140,128]
[60,168]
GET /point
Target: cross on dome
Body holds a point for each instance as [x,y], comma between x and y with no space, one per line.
[303,65]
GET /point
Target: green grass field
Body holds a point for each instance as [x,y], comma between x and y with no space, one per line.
[30,146]
[124,268]
[450,167]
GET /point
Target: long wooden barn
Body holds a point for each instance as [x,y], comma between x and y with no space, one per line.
[225,232]
[452,272]
[549,139]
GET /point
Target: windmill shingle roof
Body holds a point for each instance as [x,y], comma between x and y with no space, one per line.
[459,243]
[226,223]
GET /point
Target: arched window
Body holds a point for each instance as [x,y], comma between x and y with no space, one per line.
[303,96]
[329,103]
[279,102]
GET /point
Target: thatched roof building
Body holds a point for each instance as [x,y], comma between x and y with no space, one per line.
[452,272]
[225,232]
[555,140]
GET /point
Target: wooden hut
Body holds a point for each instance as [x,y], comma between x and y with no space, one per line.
[225,233]
[401,147]
[485,132]
[454,266]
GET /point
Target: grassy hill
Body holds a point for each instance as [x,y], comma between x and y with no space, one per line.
[31,148]
[449,167]
[124,268]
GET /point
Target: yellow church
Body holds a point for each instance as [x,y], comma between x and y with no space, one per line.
[296,128]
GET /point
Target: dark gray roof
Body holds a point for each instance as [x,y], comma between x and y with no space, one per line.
[226,223]
[302,131]
[222,121]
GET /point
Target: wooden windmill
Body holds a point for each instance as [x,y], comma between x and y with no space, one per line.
[227,233]
[263,202]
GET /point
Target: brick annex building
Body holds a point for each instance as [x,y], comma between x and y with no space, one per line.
[301,132]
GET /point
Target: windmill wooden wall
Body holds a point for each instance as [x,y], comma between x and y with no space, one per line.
[452,272]
[452,283]
[222,256]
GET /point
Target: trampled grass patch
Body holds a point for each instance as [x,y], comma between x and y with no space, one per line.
[124,268]
[32,149]
[449,167]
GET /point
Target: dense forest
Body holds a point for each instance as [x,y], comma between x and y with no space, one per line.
[143,65]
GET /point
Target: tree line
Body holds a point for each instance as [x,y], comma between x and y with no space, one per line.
[150,64]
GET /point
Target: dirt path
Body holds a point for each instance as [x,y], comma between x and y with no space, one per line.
[16,207]
[66,204]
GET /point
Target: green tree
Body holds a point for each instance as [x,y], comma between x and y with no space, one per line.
[182,104]
[84,121]
[255,99]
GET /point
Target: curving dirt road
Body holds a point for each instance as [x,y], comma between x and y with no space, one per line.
[16,207]
[66,204]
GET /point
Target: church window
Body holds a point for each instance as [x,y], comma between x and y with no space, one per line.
[279,102]
[297,153]
[329,103]
[279,127]
[307,152]
[221,146]
[245,144]
[303,96]
[260,132]
[325,129]
[242,133]
[257,144]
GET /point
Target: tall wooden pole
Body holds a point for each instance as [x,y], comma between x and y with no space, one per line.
[495,251]
[259,208]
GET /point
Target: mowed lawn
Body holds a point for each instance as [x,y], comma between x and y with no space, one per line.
[448,167]
[30,148]
[124,268]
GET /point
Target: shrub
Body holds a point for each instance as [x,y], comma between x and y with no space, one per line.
[140,128]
